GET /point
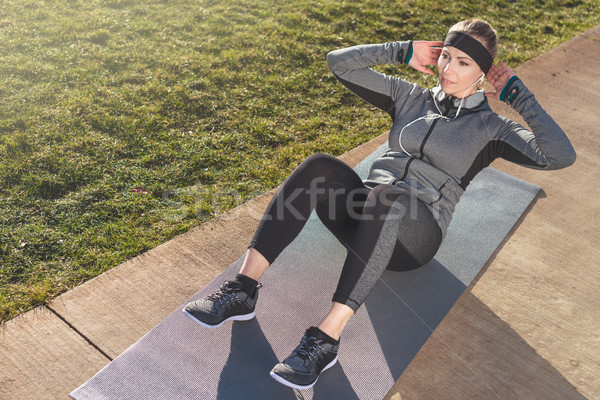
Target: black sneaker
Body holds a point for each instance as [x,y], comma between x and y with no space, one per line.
[229,303]
[301,369]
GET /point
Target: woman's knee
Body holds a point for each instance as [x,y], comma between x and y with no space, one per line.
[320,162]
[322,169]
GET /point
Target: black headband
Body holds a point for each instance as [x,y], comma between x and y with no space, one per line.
[471,47]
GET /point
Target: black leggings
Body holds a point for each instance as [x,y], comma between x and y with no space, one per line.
[385,227]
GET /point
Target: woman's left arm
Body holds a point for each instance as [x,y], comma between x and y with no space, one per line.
[546,146]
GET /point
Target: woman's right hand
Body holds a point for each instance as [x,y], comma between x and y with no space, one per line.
[425,53]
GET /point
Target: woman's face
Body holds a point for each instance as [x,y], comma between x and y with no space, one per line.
[457,71]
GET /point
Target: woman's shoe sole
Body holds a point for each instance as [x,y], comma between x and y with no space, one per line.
[244,317]
[285,382]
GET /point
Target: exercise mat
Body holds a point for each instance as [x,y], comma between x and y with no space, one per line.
[179,359]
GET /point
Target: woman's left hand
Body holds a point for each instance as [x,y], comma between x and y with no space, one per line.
[498,76]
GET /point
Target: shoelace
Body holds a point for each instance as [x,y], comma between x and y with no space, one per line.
[226,290]
[308,348]
[223,291]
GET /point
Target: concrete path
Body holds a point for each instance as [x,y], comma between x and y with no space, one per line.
[527,327]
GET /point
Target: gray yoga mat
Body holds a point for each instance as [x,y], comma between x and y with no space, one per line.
[179,359]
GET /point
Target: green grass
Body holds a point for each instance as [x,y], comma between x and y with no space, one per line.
[124,123]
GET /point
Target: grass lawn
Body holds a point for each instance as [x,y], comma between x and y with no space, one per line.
[126,122]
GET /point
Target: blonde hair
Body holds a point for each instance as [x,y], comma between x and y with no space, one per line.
[480,30]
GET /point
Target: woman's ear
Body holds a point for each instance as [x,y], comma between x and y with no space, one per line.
[486,86]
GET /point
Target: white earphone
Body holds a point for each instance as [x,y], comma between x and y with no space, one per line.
[436,116]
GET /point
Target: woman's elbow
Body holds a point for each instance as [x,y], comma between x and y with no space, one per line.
[332,58]
[566,160]
[570,159]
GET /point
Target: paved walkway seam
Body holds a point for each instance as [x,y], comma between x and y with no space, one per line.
[78,332]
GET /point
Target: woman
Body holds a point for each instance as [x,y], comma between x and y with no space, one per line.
[439,140]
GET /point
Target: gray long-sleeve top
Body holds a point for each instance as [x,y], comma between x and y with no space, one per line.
[436,158]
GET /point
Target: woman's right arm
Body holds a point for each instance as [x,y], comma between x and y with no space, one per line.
[351,66]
